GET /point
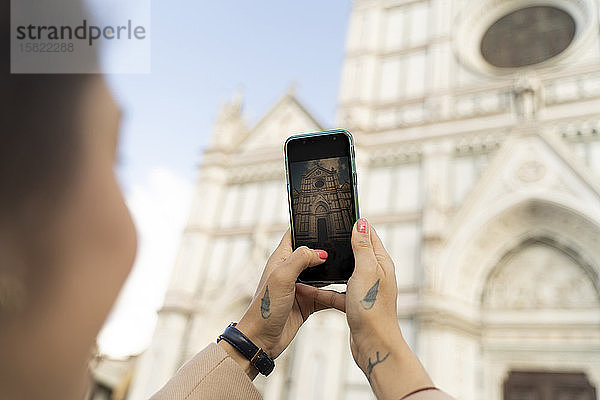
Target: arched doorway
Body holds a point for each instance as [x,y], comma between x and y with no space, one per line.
[322,235]
[541,385]
[521,294]
[535,301]
[322,219]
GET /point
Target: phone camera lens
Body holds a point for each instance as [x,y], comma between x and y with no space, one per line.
[335,138]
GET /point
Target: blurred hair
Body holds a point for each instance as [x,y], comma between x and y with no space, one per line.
[39,142]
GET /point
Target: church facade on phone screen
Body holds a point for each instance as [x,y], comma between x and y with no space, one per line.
[477,132]
[321,201]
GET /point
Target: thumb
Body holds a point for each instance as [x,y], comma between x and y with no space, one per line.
[364,256]
[298,261]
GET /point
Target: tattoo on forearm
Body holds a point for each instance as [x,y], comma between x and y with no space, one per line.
[372,365]
[265,304]
[369,300]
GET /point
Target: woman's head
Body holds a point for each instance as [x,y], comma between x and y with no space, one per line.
[67,241]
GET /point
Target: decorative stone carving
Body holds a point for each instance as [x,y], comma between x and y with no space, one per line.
[531,171]
[504,234]
[527,96]
[539,276]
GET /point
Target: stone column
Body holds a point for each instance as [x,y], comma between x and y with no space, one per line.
[437,163]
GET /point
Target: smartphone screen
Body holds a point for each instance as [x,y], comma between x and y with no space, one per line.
[323,201]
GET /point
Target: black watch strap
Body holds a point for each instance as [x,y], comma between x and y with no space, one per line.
[258,358]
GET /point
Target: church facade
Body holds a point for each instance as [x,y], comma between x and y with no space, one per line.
[321,206]
[476,124]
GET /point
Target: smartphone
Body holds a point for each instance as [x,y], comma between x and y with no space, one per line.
[323,201]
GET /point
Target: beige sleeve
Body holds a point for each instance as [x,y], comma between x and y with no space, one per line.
[211,375]
[431,394]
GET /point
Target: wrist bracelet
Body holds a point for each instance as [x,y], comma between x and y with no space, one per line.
[419,390]
[257,357]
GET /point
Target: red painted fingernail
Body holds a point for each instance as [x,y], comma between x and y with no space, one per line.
[362,225]
[322,254]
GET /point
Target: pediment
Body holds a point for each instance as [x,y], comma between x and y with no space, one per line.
[288,117]
[318,171]
[530,165]
[534,186]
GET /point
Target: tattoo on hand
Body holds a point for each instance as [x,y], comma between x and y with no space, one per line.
[265,304]
[371,365]
[369,300]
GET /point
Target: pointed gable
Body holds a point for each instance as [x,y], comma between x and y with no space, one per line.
[318,170]
[530,165]
[288,117]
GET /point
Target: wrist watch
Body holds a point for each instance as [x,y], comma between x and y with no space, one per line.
[257,357]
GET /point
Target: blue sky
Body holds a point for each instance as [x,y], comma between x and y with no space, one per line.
[202,53]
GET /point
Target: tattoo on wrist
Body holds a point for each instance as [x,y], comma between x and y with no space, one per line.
[372,365]
[369,300]
[265,304]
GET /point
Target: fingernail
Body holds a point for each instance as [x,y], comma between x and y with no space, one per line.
[362,225]
[322,254]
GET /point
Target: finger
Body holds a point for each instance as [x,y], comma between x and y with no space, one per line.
[381,254]
[298,261]
[364,255]
[322,299]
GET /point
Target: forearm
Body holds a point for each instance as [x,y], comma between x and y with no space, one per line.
[393,370]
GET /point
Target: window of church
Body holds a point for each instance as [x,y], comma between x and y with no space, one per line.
[528,36]
[240,248]
[229,211]
[390,79]
[269,202]
[354,86]
[403,244]
[379,190]
[217,259]
[407,186]
[417,18]
[394,36]
[416,68]
[249,203]
[406,26]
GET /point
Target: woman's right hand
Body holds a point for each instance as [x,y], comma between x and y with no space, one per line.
[376,340]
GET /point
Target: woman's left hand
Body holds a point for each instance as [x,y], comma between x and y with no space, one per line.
[280,305]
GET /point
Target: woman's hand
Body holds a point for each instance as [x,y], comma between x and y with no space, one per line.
[280,305]
[376,341]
